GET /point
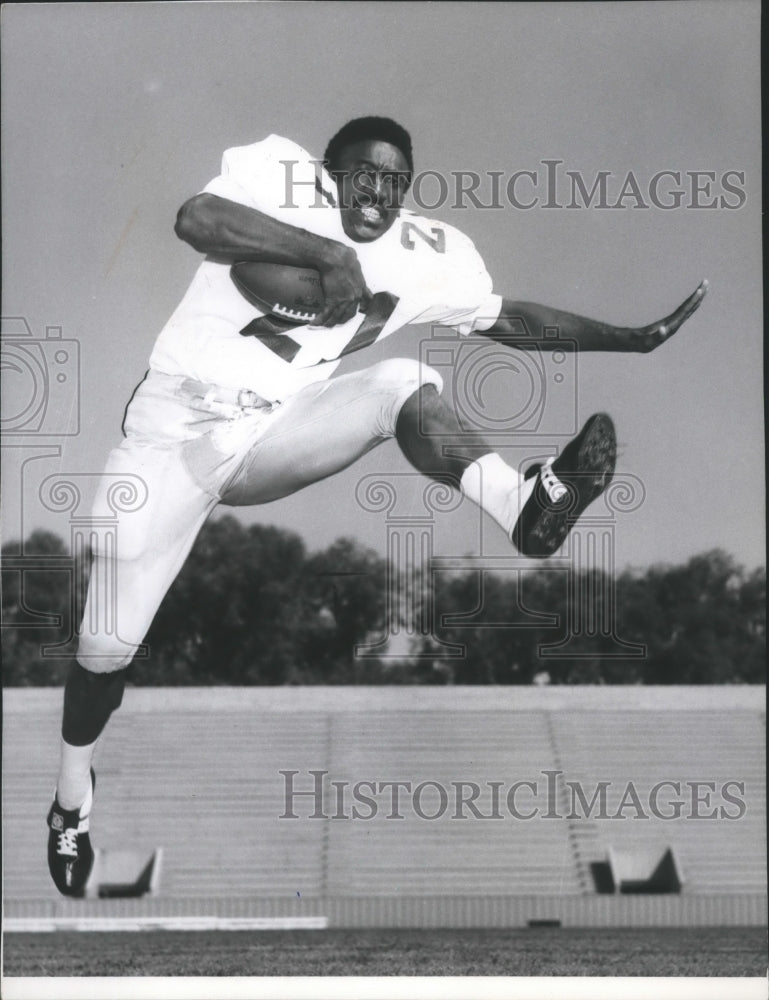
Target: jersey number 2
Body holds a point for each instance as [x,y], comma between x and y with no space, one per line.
[436,238]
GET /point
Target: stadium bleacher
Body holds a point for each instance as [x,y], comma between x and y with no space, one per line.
[199,773]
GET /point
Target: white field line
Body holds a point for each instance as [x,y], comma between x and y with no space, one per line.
[36,925]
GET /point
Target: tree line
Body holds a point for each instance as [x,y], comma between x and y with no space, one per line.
[253,607]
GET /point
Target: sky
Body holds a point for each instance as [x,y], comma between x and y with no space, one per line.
[114,114]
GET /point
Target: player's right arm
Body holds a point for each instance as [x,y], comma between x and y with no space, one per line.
[222,228]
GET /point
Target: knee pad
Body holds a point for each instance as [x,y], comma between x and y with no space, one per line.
[105,654]
[404,374]
[399,379]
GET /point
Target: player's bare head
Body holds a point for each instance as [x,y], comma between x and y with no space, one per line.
[372,127]
[372,163]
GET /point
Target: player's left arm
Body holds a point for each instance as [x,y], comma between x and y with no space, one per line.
[530,326]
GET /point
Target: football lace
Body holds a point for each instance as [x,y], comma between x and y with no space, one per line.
[291,313]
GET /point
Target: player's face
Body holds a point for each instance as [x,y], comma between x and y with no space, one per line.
[371,179]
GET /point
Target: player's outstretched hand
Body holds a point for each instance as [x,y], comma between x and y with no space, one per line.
[646,338]
[344,287]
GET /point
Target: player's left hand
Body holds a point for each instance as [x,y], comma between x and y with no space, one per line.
[647,338]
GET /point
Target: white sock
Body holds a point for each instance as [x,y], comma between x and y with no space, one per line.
[497,489]
[74,784]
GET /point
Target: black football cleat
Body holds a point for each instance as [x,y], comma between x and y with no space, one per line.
[565,486]
[70,855]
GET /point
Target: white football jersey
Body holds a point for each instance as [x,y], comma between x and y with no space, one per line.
[420,271]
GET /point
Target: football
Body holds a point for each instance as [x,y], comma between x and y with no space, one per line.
[293,293]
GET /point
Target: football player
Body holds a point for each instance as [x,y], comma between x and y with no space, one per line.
[237,408]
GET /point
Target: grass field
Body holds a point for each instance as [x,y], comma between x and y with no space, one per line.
[709,951]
